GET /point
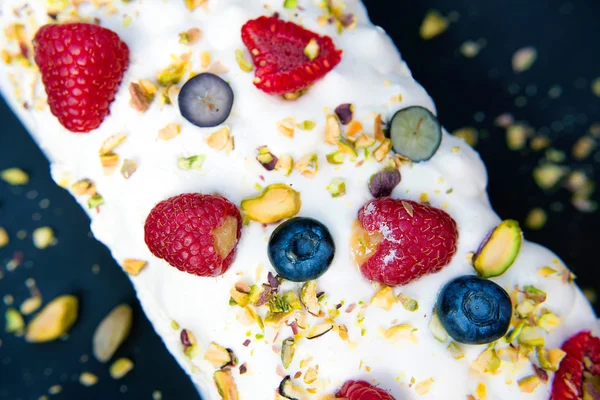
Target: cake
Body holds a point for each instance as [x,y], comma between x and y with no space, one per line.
[294,219]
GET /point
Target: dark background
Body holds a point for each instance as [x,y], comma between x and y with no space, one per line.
[468,92]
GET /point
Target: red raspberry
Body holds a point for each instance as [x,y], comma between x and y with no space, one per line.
[195,233]
[579,371]
[82,66]
[362,390]
[397,241]
[277,49]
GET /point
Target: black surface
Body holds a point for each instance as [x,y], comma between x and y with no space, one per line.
[468,92]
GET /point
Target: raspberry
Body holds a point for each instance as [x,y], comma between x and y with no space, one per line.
[579,373]
[195,233]
[82,66]
[277,49]
[397,241]
[362,390]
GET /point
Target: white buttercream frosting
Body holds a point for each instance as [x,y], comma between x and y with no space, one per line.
[372,77]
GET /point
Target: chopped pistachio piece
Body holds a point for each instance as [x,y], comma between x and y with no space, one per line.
[173,74]
[218,356]
[285,164]
[337,187]
[193,162]
[88,379]
[306,125]
[535,294]
[133,267]
[312,49]
[218,140]
[456,351]
[383,150]
[226,385]
[193,4]
[128,168]
[364,141]
[244,64]
[120,368]
[14,176]
[287,126]
[384,298]
[112,332]
[55,319]
[488,362]
[336,158]
[523,59]
[169,132]
[529,384]
[14,322]
[536,219]
[84,187]
[423,387]
[31,305]
[190,36]
[547,176]
[516,136]
[43,237]
[437,329]
[333,129]
[531,336]
[468,134]
[408,303]
[95,201]
[398,333]
[4,239]
[549,321]
[290,3]
[288,349]
[110,143]
[434,24]
[308,165]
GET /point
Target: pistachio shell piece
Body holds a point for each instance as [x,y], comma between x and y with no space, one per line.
[499,250]
[112,332]
[55,319]
[278,201]
[319,330]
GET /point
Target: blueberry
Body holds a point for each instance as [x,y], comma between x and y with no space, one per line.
[301,249]
[474,310]
[206,100]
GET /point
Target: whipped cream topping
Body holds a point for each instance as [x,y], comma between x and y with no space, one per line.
[371,76]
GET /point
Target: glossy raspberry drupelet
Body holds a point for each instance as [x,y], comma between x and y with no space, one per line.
[82,66]
[277,49]
[578,376]
[362,390]
[195,233]
[397,241]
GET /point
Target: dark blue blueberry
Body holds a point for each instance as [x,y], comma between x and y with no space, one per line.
[474,310]
[301,249]
[206,100]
